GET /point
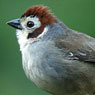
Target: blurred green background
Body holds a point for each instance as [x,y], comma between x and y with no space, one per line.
[77,14]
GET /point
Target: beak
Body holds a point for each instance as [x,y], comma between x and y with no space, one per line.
[15,23]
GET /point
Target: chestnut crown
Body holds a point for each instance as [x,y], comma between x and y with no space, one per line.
[43,13]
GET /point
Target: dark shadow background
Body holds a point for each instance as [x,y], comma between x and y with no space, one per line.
[77,14]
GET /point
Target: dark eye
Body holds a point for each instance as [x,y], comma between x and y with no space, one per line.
[30,24]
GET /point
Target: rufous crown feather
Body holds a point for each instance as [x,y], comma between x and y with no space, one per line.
[43,13]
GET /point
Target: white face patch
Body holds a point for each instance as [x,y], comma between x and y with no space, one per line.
[22,37]
[35,20]
[23,34]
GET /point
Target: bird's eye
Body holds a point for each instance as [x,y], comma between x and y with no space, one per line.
[30,24]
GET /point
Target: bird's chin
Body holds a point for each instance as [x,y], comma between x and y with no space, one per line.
[25,31]
[25,34]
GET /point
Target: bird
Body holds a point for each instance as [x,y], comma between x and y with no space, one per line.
[56,58]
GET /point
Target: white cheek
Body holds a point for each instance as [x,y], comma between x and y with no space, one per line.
[36,21]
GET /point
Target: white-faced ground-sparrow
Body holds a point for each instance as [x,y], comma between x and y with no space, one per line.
[56,58]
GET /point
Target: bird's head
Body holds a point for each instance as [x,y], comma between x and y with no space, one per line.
[34,21]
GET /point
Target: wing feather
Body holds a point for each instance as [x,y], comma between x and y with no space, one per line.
[80,45]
